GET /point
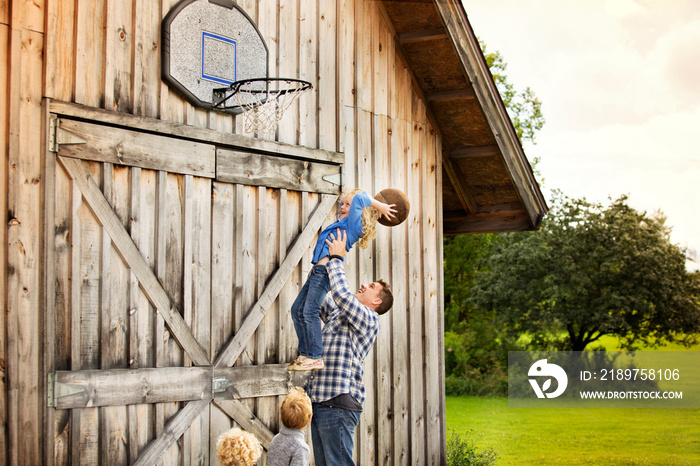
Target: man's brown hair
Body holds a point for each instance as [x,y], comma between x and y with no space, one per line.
[386,296]
[296,409]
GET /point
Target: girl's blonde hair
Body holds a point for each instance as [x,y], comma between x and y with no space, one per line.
[236,447]
[370,215]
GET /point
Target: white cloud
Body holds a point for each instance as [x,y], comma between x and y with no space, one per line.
[619,82]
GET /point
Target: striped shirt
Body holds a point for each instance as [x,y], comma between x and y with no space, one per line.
[348,335]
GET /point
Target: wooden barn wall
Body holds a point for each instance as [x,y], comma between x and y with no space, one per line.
[106,54]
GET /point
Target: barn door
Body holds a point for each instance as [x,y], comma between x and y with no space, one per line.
[173,262]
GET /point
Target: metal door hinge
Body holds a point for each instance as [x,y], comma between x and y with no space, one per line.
[56,390]
[336,179]
[58,136]
[220,384]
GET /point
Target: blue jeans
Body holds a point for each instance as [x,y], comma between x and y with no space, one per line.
[306,312]
[332,433]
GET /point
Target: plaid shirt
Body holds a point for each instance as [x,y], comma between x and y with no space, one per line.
[348,335]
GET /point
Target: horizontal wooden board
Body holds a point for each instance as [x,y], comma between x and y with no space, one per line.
[81,389]
[119,387]
[275,172]
[136,149]
[180,131]
[257,381]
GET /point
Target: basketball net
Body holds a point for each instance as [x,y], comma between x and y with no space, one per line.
[264,101]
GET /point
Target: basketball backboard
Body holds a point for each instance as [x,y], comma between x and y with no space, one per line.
[207,45]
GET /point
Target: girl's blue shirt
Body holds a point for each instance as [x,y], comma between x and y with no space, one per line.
[352,224]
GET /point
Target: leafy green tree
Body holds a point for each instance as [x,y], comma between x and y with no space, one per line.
[592,270]
[524,108]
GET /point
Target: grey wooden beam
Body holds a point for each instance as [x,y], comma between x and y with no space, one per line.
[132,257]
[173,431]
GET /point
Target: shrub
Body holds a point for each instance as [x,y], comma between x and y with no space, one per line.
[461,451]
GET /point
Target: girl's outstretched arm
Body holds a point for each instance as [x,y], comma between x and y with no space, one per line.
[385,210]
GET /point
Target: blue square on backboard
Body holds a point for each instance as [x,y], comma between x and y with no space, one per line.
[218,58]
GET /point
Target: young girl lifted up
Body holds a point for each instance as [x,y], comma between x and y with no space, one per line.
[358,214]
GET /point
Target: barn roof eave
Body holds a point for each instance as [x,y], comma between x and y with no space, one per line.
[488,183]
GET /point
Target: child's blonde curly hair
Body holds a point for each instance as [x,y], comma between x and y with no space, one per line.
[370,215]
[236,447]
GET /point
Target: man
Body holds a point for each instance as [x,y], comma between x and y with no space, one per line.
[337,390]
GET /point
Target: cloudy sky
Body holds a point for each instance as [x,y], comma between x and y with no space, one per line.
[619,82]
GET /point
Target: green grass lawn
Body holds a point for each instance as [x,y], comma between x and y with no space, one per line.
[652,436]
[577,435]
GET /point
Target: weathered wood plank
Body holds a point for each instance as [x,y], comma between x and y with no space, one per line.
[113,320]
[327,76]
[350,182]
[48,276]
[268,14]
[198,261]
[415,297]
[160,271]
[274,172]
[119,44]
[247,257]
[440,297]
[139,310]
[75,328]
[119,146]
[146,59]
[173,431]
[130,253]
[383,344]
[266,338]
[105,387]
[29,17]
[257,312]
[89,59]
[400,311]
[59,58]
[222,284]
[206,136]
[5,54]
[62,226]
[366,450]
[288,229]
[173,285]
[430,295]
[380,65]
[24,312]
[87,314]
[363,55]
[263,380]
[288,65]
[308,71]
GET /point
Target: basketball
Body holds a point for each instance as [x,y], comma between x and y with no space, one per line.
[401,204]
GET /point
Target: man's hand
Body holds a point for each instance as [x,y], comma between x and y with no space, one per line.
[336,245]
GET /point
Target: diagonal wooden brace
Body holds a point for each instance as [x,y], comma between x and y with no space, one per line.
[132,257]
[257,312]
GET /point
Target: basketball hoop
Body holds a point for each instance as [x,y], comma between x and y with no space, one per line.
[263,101]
